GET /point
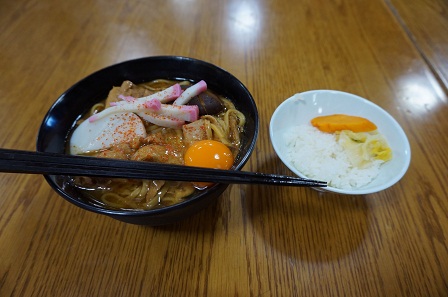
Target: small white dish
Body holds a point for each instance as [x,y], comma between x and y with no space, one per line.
[301,108]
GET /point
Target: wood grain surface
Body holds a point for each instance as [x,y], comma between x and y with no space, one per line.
[426,24]
[255,240]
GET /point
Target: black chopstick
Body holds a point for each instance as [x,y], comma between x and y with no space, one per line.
[17,161]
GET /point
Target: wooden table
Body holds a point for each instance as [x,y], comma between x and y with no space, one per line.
[256,240]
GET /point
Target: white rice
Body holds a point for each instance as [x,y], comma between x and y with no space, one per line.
[318,156]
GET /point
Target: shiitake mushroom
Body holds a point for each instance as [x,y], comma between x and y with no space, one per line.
[208,103]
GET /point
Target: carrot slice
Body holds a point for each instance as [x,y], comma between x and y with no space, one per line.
[339,122]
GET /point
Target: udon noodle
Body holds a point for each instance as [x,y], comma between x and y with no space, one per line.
[225,126]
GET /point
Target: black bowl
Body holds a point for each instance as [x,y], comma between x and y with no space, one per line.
[77,100]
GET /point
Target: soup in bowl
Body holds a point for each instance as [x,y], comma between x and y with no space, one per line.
[155,109]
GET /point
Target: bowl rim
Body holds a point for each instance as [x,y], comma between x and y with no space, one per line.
[355,191]
[158,211]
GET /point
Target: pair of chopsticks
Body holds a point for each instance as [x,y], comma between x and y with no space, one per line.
[17,161]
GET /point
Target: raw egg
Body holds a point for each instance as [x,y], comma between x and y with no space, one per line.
[208,154]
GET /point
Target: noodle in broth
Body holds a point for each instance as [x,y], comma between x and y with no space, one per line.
[118,193]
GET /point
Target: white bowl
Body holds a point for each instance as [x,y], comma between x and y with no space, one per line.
[301,108]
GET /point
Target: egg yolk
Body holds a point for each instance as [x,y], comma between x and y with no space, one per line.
[208,154]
